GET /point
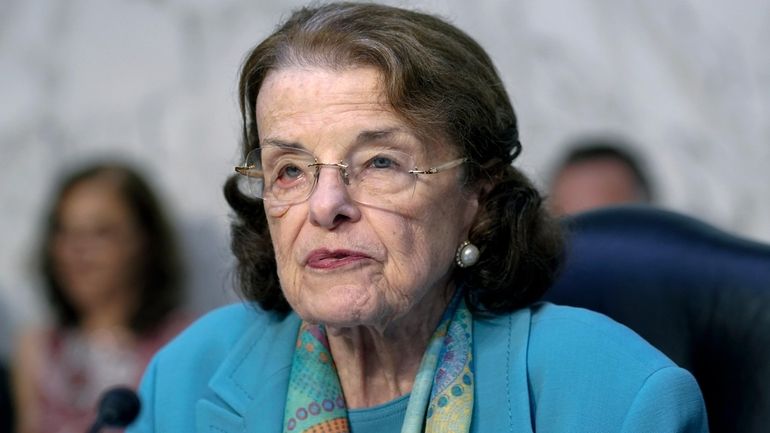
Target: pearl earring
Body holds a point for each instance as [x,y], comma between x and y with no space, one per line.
[467,254]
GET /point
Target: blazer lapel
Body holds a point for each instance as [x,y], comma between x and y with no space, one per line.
[252,381]
[500,355]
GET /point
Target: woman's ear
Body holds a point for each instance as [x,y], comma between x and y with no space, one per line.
[475,194]
[485,187]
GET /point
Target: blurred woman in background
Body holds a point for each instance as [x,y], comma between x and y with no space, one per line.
[112,276]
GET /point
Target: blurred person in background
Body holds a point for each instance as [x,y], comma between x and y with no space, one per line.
[112,274]
[597,172]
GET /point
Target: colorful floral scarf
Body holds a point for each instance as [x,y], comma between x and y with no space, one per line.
[441,398]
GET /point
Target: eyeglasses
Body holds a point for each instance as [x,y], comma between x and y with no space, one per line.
[284,175]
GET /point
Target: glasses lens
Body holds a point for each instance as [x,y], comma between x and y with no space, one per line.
[288,174]
[254,175]
[382,175]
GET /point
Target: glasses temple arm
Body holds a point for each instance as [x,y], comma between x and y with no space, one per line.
[442,167]
[249,170]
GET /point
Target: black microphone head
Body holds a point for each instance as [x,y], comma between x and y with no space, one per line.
[118,407]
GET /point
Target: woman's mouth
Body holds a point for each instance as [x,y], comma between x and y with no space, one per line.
[332,259]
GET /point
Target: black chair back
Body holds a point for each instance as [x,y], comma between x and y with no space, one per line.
[700,295]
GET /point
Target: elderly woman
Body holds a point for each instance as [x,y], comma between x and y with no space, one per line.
[393,258]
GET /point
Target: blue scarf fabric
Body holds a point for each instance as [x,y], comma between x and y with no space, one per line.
[442,394]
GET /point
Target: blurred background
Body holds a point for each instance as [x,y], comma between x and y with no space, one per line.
[154,82]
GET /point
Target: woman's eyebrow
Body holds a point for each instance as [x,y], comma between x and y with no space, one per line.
[282,143]
[363,138]
[378,134]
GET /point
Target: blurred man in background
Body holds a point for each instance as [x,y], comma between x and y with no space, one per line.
[597,172]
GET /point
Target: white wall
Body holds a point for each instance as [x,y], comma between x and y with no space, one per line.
[689,81]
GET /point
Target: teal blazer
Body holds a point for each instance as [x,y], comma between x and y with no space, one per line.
[545,368]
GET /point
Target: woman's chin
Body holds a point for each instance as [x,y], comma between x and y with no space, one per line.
[343,309]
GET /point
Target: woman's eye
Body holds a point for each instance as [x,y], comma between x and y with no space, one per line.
[289,173]
[292,171]
[382,162]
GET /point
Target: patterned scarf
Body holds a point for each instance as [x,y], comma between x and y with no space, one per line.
[441,398]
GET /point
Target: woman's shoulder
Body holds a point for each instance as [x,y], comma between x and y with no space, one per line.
[588,340]
[574,366]
[553,331]
[34,344]
[588,337]
[587,365]
[222,360]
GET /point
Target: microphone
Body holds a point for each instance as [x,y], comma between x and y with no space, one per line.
[118,407]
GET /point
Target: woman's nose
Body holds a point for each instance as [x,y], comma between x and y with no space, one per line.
[330,203]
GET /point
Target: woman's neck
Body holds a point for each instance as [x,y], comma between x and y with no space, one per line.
[376,366]
[112,314]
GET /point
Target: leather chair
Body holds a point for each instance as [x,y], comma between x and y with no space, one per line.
[699,294]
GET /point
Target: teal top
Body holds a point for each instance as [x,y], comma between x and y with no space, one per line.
[385,418]
[544,368]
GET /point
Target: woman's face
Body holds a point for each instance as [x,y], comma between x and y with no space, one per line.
[341,262]
[97,246]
